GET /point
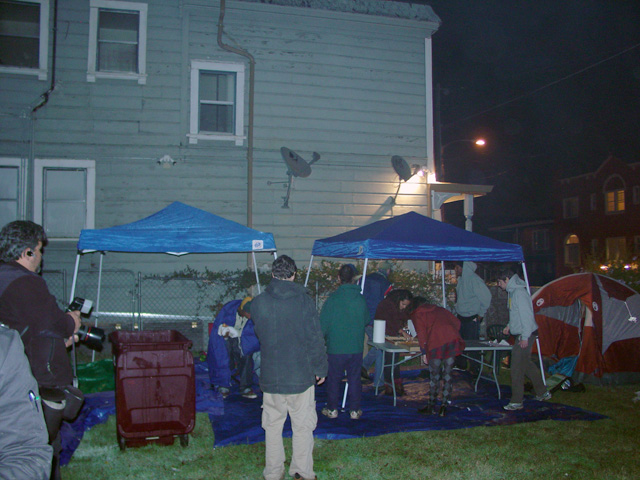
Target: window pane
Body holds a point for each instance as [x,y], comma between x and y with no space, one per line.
[64,206]
[216,118]
[118,41]
[217,86]
[9,177]
[64,219]
[19,34]
[64,184]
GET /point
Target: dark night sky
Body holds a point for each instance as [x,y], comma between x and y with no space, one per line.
[554,87]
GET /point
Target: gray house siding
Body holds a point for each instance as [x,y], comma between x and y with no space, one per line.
[349,85]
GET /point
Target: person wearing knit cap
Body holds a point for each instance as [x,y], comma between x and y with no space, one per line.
[232,343]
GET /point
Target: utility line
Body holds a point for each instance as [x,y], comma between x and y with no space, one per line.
[550,84]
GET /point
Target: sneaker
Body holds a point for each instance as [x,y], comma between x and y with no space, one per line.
[223,391]
[355,414]
[248,393]
[327,412]
[297,476]
[544,396]
[513,406]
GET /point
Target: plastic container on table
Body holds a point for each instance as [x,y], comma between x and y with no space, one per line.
[155,387]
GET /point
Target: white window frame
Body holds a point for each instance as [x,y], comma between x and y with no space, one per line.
[38,174]
[618,197]
[43,54]
[194,118]
[141,8]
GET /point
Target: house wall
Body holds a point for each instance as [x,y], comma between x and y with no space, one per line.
[349,85]
[595,224]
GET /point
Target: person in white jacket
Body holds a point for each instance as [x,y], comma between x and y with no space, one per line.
[522,325]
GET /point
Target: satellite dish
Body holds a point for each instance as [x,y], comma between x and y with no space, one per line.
[297,165]
[401,167]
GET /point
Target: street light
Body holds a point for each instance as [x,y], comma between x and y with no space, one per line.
[480,142]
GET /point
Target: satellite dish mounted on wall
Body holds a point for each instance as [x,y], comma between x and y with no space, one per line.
[402,168]
[296,167]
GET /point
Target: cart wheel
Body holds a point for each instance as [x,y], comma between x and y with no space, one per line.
[122,443]
[184,440]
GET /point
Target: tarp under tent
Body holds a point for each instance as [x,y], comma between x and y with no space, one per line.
[177,229]
[595,318]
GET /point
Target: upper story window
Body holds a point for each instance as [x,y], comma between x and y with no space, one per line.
[614,194]
[217,101]
[24,37]
[117,40]
[570,207]
[64,197]
[540,240]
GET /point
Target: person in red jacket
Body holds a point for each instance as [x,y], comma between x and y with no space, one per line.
[440,342]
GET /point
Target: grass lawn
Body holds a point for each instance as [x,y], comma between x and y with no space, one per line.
[581,450]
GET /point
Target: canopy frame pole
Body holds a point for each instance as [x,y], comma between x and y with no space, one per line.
[73,344]
[444,288]
[364,275]
[75,277]
[306,282]
[255,269]
[526,281]
[95,321]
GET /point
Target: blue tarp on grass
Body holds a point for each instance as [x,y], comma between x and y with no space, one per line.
[240,423]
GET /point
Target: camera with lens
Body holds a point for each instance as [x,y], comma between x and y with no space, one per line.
[92,337]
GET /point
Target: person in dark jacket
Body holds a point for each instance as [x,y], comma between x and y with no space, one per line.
[25,453]
[440,342]
[27,306]
[343,318]
[294,358]
[394,310]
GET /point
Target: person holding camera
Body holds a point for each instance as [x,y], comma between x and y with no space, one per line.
[26,305]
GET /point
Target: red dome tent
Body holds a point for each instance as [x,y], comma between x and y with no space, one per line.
[595,318]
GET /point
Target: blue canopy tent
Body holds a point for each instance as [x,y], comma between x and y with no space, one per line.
[177,229]
[415,237]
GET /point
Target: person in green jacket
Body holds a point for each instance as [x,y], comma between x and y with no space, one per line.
[343,318]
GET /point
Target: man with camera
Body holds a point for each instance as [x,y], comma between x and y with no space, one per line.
[27,306]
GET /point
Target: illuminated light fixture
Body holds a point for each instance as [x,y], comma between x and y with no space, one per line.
[480,142]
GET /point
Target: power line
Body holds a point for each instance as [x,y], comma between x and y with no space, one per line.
[550,84]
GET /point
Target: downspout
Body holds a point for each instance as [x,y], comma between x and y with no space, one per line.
[252,63]
[45,95]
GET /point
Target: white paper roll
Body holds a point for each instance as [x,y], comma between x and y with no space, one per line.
[378,331]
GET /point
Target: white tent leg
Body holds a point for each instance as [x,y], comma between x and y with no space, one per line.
[93,353]
[306,282]
[526,281]
[444,289]
[73,344]
[364,275]
[75,277]
[255,269]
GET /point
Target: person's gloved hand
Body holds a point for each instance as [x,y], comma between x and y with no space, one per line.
[227,331]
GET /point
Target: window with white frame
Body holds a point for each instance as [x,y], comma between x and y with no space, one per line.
[10,187]
[117,40]
[24,37]
[570,207]
[64,196]
[217,101]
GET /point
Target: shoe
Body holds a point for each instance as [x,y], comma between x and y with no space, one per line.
[443,410]
[545,396]
[224,391]
[248,393]
[355,414]
[298,477]
[327,412]
[428,409]
[513,406]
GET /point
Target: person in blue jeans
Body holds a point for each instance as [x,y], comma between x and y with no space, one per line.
[376,286]
[343,318]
